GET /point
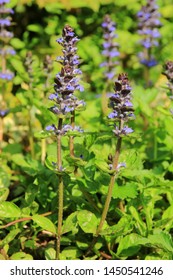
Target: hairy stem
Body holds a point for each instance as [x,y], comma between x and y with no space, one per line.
[60,193]
[31,138]
[43,151]
[111,186]
[109,194]
[71,143]
[1,133]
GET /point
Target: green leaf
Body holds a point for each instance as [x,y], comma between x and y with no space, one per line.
[4,192]
[71,223]
[42,134]
[30,166]
[4,179]
[70,253]
[17,43]
[44,223]
[127,191]
[162,240]
[21,256]
[50,254]
[87,221]
[9,210]
[123,227]
[167,218]
[139,224]
[35,28]
[103,166]
[10,236]
[76,161]
[130,244]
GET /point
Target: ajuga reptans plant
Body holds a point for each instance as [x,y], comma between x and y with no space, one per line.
[122,113]
[65,105]
[110,53]
[148,24]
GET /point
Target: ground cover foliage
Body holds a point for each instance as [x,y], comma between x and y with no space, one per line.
[112,131]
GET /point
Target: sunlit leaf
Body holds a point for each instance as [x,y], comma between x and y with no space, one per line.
[87,221]
[21,256]
[9,210]
[44,223]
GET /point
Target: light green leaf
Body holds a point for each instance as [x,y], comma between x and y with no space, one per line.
[70,253]
[130,244]
[4,179]
[10,236]
[71,223]
[21,256]
[50,254]
[87,221]
[140,225]
[4,192]
[9,210]
[162,240]
[103,166]
[35,28]
[17,43]
[44,223]
[123,227]
[42,134]
[127,191]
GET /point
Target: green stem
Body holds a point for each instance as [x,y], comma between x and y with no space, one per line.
[31,139]
[1,133]
[111,186]
[71,142]
[43,151]
[109,194]
[60,193]
[60,216]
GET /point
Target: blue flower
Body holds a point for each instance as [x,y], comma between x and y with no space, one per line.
[122,107]
[6,76]
[3,113]
[110,48]
[5,22]
[148,24]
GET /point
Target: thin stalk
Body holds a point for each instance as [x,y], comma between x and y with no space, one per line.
[1,133]
[60,193]
[60,216]
[31,139]
[71,140]
[43,151]
[111,186]
[109,194]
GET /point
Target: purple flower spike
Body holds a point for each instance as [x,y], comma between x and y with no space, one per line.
[148,24]
[5,36]
[66,81]
[122,107]
[110,48]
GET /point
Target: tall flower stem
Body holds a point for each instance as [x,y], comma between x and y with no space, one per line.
[1,133]
[60,215]
[65,103]
[111,186]
[60,193]
[109,195]
[71,141]
[122,112]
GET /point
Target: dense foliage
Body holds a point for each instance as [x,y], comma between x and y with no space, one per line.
[86,161]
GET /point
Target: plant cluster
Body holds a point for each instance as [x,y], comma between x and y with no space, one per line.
[85,144]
